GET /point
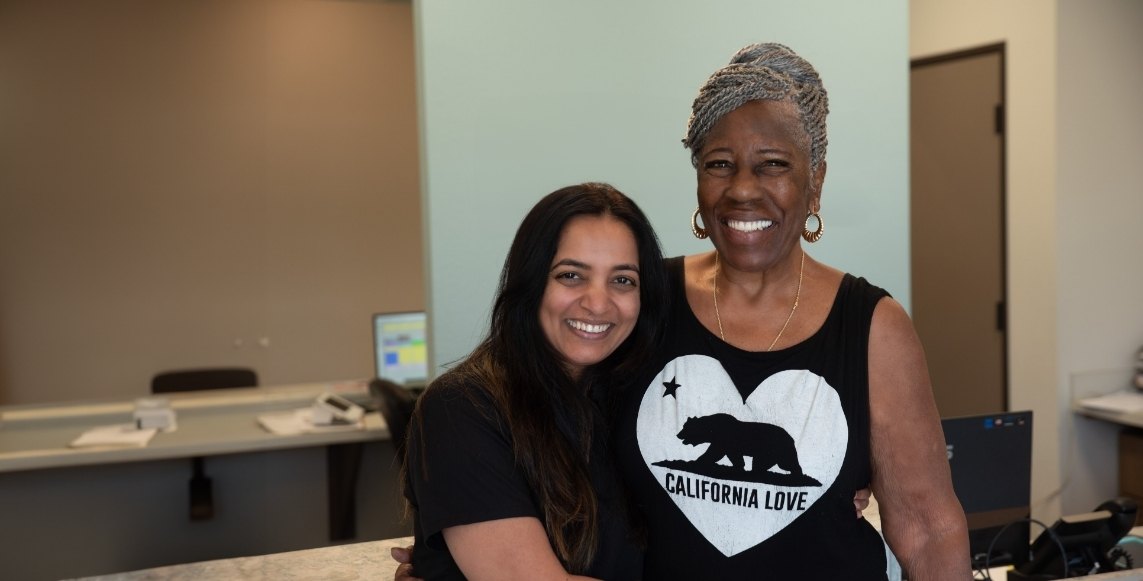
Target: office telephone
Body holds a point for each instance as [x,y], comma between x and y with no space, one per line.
[1082,544]
[331,409]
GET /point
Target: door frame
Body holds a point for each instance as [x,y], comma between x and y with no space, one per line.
[1002,318]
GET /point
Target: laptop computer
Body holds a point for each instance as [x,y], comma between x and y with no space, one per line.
[991,461]
[399,348]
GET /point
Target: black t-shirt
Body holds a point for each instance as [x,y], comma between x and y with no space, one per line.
[461,470]
[745,464]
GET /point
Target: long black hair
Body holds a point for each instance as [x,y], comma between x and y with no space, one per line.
[550,416]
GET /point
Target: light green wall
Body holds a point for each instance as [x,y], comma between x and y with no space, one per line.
[521,97]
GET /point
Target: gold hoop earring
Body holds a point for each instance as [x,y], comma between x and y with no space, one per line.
[815,235]
[699,233]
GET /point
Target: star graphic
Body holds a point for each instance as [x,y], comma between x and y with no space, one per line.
[671,388]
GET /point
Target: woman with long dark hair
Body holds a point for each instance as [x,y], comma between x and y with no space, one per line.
[509,468]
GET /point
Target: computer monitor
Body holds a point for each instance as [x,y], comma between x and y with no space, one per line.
[991,461]
[400,352]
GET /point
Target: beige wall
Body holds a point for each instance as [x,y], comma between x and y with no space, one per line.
[1100,194]
[202,183]
[1028,30]
[1075,135]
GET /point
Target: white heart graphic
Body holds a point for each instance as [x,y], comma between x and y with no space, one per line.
[754,491]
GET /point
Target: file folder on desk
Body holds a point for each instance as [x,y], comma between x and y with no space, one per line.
[115,436]
[300,421]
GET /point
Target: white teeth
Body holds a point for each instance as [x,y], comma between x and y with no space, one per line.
[587,328]
[753,226]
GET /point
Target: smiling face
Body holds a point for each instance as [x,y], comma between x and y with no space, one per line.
[754,183]
[591,300]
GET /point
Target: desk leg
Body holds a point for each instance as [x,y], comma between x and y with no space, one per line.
[343,463]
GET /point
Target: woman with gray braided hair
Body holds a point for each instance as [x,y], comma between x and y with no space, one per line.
[785,384]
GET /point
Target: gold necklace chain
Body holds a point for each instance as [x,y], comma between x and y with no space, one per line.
[797,297]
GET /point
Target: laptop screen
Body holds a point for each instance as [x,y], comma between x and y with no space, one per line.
[399,349]
[991,461]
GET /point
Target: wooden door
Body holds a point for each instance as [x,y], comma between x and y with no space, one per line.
[957,227]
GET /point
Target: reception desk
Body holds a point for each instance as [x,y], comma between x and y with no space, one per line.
[358,562]
[368,561]
[68,512]
[372,561]
[209,423]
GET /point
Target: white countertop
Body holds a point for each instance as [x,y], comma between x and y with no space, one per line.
[354,562]
[358,561]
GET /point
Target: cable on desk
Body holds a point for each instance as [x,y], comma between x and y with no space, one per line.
[992,545]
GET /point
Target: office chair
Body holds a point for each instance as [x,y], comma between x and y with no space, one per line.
[396,405]
[201,493]
[343,461]
[200,379]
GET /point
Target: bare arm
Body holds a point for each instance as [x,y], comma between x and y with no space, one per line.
[920,516]
[509,548]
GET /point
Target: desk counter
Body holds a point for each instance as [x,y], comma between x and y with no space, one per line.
[358,561]
[1126,418]
[209,423]
[126,508]
[354,562]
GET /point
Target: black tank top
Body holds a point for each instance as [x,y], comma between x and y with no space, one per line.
[744,464]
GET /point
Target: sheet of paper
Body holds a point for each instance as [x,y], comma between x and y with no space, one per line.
[1119,402]
[125,435]
[300,421]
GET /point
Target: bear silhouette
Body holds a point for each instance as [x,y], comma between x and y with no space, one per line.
[766,444]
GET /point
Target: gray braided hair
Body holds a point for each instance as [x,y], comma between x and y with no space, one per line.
[768,71]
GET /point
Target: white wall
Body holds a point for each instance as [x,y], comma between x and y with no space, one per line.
[1028,29]
[1075,135]
[520,97]
[1100,233]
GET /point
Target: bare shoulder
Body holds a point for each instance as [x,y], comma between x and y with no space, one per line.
[889,315]
[697,268]
[822,283]
[898,375]
[892,337]
[697,272]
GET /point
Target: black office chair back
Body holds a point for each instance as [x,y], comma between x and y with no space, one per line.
[199,379]
[201,488]
[396,405]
